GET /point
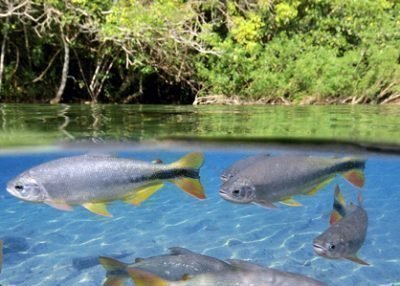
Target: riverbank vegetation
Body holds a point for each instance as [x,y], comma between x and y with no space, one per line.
[163,51]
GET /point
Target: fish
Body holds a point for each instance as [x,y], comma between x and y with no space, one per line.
[179,262]
[1,255]
[347,231]
[94,180]
[279,178]
[239,165]
[241,273]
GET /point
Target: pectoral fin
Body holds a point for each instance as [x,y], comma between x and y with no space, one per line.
[60,206]
[291,202]
[265,204]
[356,260]
[97,208]
[142,194]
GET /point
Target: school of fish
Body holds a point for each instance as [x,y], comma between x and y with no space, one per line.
[93,181]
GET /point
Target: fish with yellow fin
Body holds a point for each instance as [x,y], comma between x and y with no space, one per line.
[347,231]
[241,273]
[172,266]
[269,179]
[93,181]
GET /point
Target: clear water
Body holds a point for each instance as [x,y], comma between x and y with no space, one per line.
[45,246]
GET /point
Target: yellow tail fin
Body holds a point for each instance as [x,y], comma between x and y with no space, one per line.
[113,265]
[190,161]
[143,278]
[191,186]
[339,207]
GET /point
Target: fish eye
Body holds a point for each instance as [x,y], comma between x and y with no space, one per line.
[332,246]
[236,192]
[19,187]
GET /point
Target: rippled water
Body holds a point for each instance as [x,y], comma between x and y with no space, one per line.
[45,246]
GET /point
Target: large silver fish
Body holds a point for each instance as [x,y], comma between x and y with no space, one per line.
[278,179]
[172,266]
[95,180]
[347,232]
[241,273]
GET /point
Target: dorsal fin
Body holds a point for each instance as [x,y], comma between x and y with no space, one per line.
[179,251]
[339,207]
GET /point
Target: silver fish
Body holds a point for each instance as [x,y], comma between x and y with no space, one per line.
[172,266]
[241,273]
[95,180]
[347,232]
[240,165]
[278,179]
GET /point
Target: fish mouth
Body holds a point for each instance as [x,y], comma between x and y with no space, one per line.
[11,191]
[318,249]
[225,196]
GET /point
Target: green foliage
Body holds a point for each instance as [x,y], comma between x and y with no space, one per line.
[290,49]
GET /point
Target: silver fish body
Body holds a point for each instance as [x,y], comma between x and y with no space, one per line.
[94,179]
[171,266]
[346,234]
[241,273]
[274,179]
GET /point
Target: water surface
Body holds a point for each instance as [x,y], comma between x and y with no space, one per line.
[46,124]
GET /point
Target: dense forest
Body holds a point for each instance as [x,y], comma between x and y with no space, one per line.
[177,51]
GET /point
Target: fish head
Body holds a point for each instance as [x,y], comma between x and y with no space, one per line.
[27,188]
[330,245]
[239,190]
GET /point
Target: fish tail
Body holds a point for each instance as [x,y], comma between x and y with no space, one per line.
[117,272]
[339,206]
[192,184]
[190,161]
[356,173]
[143,278]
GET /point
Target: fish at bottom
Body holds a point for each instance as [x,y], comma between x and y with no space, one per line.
[347,232]
[230,272]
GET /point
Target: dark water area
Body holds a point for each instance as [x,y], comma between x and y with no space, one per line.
[47,246]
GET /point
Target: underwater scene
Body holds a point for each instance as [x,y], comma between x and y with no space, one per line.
[225,215]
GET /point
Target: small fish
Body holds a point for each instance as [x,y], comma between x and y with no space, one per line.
[278,179]
[241,273]
[240,165]
[347,232]
[1,255]
[95,180]
[173,266]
